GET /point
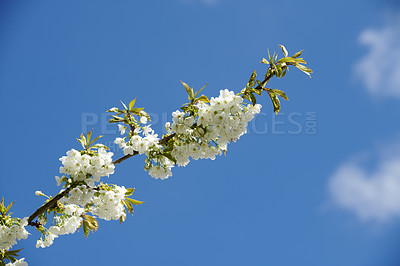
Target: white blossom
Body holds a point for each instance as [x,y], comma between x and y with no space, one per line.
[10,234]
[143,120]
[218,123]
[121,129]
[83,166]
[108,205]
[20,262]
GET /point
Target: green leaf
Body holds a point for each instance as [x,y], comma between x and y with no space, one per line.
[287,60]
[204,99]
[278,71]
[189,90]
[2,207]
[269,57]
[14,252]
[129,191]
[297,54]
[10,258]
[264,61]
[257,91]
[273,58]
[117,118]
[124,105]
[132,103]
[137,110]
[99,146]
[285,52]
[128,206]
[280,93]
[89,224]
[246,96]
[83,139]
[96,139]
[82,143]
[197,93]
[92,222]
[85,228]
[122,218]
[300,61]
[89,134]
[275,101]
[8,207]
[305,69]
[283,73]
[252,78]
[253,98]
[134,202]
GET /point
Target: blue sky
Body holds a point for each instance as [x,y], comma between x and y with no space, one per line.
[316,185]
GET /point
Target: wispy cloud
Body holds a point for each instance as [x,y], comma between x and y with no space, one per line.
[370,194]
[379,69]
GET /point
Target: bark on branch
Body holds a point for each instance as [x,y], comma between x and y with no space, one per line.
[53,202]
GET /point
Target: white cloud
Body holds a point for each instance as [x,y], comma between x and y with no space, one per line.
[379,69]
[371,195]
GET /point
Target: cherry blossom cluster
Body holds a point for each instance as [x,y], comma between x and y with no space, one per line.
[20,262]
[105,201]
[108,203]
[145,141]
[64,224]
[11,230]
[202,134]
[86,166]
[80,195]
[221,121]
[144,144]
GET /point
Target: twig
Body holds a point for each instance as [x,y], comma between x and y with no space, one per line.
[53,202]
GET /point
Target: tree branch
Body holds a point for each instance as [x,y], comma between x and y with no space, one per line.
[53,202]
[50,204]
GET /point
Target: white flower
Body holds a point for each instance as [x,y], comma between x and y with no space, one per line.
[80,195]
[120,142]
[128,150]
[189,121]
[147,130]
[108,205]
[72,209]
[67,226]
[160,172]
[39,193]
[58,180]
[143,120]
[10,235]
[81,166]
[114,109]
[221,121]
[122,129]
[20,262]
[168,128]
